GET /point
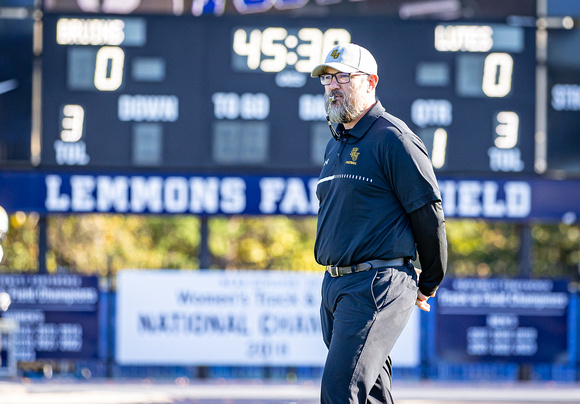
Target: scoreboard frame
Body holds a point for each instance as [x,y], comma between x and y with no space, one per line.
[233,94]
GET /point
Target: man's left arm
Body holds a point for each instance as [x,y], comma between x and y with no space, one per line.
[428,223]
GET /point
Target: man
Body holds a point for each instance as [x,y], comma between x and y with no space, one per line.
[379,206]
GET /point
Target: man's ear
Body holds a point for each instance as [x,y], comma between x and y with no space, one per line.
[373,81]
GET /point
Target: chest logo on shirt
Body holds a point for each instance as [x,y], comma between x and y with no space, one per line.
[353,155]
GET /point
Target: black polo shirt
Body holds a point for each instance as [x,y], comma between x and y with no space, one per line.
[370,180]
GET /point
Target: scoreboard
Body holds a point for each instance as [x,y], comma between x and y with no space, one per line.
[234,93]
[16,60]
[563,109]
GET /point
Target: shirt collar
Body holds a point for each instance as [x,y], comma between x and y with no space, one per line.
[365,123]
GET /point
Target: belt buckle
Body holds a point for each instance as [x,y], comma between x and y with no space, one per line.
[333,271]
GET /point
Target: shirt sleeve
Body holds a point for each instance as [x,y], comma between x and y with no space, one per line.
[428,223]
[410,172]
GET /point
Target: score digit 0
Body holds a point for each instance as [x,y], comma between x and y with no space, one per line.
[497,74]
[109,68]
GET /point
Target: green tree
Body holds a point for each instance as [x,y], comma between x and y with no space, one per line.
[557,250]
[269,242]
[21,243]
[100,243]
[480,248]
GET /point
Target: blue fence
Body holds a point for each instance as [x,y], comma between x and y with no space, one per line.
[432,366]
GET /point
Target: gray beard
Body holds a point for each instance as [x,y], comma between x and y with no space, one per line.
[344,111]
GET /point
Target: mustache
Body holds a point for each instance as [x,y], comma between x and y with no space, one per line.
[331,96]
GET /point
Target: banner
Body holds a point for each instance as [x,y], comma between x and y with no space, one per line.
[235,318]
[506,199]
[515,320]
[57,315]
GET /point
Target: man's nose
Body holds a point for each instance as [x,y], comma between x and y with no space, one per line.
[333,83]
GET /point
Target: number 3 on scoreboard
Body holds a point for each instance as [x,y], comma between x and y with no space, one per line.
[109,68]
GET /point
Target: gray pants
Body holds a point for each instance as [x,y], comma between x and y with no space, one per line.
[362,316]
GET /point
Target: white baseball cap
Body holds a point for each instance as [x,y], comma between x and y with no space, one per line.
[348,58]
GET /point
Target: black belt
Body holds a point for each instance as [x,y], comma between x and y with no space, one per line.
[364,266]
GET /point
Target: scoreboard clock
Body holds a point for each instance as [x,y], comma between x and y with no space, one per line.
[233,93]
